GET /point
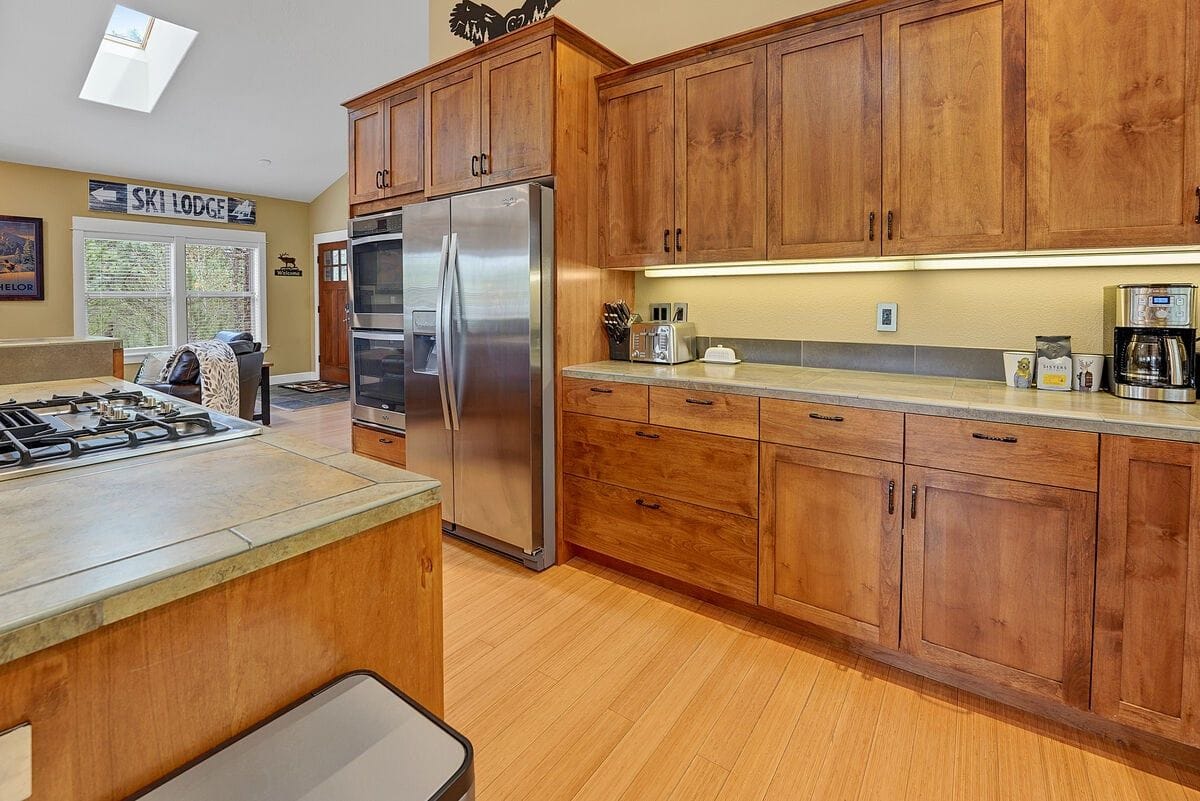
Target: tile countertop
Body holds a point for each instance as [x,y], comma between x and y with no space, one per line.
[951,397]
[88,546]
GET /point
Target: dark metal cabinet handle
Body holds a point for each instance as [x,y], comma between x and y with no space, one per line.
[642,503]
[913,503]
[602,391]
[891,221]
[475,166]
[831,418]
[891,497]
[991,438]
[871,226]
[666,240]
[1198,205]
[678,239]
[386,441]
[483,167]
[379,179]
[644,435]
[696,402]
[387,180]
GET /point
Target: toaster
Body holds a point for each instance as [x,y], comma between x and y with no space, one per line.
[662,343]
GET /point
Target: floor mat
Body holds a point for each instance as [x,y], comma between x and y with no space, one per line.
[291,399]
[313,387]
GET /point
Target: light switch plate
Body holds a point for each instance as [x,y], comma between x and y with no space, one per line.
[885,316]
[16,764]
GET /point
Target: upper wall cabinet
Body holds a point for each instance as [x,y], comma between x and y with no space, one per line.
[954,127]
[452,149]
[1114,123]
[517,114]
[386,142]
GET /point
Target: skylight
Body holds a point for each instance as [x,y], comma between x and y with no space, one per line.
[132,68]
[129,27]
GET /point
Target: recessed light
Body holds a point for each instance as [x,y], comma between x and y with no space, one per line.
[264,162]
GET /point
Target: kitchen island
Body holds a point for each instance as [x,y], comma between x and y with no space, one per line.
[153,606]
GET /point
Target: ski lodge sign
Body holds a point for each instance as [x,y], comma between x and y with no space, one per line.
[154,201]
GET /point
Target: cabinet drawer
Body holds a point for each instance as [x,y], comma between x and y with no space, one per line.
[839,429]
[386,446]
[1068,459]
[704,469]
[711,412]
[606,399]
[710,549]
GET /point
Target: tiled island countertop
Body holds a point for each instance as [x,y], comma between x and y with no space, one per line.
[87,546]
[950,397]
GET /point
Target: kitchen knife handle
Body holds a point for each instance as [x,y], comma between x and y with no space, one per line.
[913,503]
[602,390]
[475,166]
[892,497]
[831,418]
[696,402]
[644,435]
[871,226]
[642,503]
[992,438]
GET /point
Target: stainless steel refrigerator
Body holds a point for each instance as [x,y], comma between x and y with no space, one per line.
[478,297]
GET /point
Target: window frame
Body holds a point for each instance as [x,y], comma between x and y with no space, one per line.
[179,236]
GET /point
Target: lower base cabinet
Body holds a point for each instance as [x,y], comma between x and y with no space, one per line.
[715,550]
[1147,652]
[998,580]
[386,446]
[830,541]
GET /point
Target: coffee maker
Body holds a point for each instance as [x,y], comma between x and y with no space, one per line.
[1150,341]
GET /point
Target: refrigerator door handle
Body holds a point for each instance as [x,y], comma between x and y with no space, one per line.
[439,330]
[448,368]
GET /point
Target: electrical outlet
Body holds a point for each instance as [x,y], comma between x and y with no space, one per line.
[16,764]
[885,316]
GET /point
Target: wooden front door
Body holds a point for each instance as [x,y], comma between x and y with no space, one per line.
[333,308]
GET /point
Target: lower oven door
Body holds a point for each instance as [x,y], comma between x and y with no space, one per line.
[377,377]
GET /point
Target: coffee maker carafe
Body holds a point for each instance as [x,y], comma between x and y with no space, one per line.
[1150,340]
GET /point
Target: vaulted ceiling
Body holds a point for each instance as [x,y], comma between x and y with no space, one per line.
[263,80]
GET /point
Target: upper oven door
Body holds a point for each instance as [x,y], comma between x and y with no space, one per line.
[377,281]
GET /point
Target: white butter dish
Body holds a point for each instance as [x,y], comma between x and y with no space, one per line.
[719,354]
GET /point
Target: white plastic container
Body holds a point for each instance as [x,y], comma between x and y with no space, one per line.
[1018,368]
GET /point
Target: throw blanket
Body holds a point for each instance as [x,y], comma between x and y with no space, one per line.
[218,374]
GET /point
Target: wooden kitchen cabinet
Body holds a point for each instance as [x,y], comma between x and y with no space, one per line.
[1114,123]
[998,580]
[1146,670]
[829,546]
[376,443]
[825,177]
[452,134]
[954,127]
[517,114]
[386,146]
[368,137]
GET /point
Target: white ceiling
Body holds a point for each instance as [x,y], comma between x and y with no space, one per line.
[264,79]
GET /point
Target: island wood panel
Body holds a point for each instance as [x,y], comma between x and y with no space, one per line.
[721,159]
[703,547]
[118,363]
[387,446]
[998,581]
[704,469]
[711,412]
[1114,123]
[828,427]
[518,114]
[1147,651]
[405,143]
[954,127]
[1049,456]
[825,175]
[452,133]
[637,172]
[117,708]
[607,399]
[367,139]
[829,551]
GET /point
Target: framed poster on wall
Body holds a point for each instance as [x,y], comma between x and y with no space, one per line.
[21,268]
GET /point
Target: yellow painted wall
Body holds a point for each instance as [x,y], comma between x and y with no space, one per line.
[58,195]
[330,209]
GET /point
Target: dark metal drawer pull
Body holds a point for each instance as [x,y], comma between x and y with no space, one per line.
[913,502]
[642,503]
[832,418]
[383,441]
[695,402]
[891,497]
[644,435]
[990,438]
[602,391]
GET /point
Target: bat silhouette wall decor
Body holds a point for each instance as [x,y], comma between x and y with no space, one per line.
[479,23]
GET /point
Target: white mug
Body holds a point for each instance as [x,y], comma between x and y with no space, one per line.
[1087,370]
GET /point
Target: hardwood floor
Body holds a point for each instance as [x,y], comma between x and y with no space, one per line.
[328,424]
[582,684]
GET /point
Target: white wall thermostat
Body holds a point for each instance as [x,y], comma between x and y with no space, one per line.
[885,316]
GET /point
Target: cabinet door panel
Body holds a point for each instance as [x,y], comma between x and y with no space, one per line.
[452,133]
[637,173]
[367,138]
[830,546]
[998,580]
[824,168]
[954,126]
[1114,122]
[518,114]
[1147,653]
[721,159]
[406,143]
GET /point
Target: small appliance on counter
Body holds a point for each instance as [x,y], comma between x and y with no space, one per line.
[663,343]
[1150,341]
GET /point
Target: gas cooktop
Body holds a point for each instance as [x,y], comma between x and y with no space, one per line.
[71,430]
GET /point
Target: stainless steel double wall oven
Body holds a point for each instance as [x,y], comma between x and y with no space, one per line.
[377,337]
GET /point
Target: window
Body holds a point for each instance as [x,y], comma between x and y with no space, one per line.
[157,286]
[129,27]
